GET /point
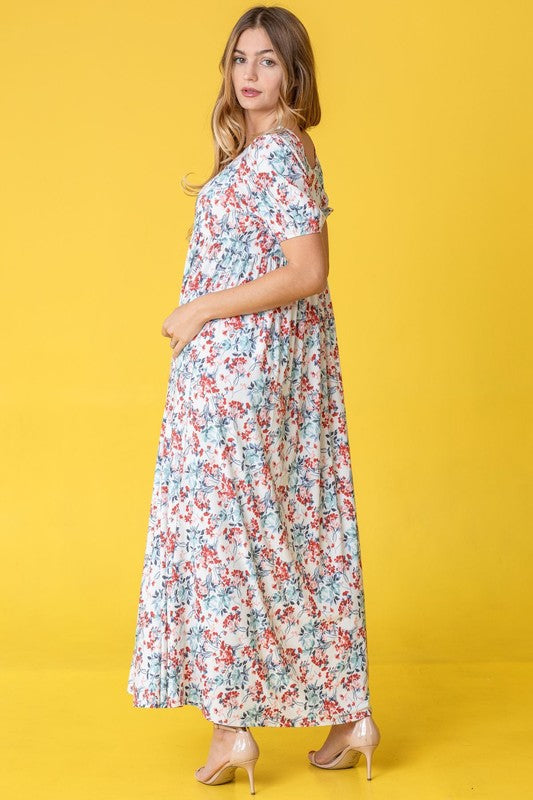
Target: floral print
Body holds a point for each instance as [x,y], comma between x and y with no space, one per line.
[251,604]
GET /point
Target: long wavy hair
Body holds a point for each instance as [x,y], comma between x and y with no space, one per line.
[298,98]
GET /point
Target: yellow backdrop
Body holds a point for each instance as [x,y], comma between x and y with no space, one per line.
[426,148]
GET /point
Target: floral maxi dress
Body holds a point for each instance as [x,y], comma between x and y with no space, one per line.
[251,605]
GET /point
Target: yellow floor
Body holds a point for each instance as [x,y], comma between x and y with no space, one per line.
[449,731]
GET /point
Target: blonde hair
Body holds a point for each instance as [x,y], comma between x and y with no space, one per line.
[298,98]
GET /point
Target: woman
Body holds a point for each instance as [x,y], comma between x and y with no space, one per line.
[251,604]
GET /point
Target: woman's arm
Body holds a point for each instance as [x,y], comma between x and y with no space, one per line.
[304,274]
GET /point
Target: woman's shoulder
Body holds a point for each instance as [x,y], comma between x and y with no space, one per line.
[280,149]
[271,141]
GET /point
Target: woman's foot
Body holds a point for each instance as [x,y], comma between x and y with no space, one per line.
[345,743]
[219,752]
[336,741]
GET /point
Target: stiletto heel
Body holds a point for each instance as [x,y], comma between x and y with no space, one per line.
[364,738]
[368,750]
[249,767]
[244,753]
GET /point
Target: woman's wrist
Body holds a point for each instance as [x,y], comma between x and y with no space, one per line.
[204,308]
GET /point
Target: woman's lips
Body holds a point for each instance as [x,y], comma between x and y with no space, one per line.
[250,92]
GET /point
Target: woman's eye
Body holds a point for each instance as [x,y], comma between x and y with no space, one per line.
[237,59]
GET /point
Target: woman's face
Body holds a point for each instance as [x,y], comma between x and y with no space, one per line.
[256,66]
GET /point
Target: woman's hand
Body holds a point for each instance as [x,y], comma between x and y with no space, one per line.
[184,324]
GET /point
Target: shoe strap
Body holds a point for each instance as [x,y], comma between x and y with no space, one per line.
[228,727]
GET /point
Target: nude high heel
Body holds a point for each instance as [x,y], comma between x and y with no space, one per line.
[364,738]
[244,753]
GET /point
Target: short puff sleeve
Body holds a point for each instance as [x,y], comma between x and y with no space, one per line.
[281,191]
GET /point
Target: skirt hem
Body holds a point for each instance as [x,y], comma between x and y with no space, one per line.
[338,720]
